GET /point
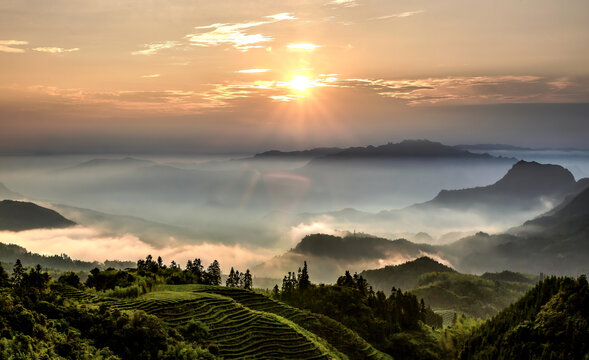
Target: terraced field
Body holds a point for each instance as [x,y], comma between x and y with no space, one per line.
[244,324]
[342,338]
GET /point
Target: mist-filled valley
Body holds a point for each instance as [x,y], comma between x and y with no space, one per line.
[255,207]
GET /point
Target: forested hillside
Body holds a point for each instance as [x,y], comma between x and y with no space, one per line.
[550,322]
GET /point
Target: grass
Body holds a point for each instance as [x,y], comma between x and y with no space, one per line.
[244,324]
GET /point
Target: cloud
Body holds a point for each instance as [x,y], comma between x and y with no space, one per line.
[344,3]
[236,34]
[252,71]
[7,46]
[151,49]
[150,76]
[303,46]
[90,245]
[54,50]
[399,15]
[474,90]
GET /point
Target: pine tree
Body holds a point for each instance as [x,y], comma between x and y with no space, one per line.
[247,280]
[214,273]
[231,278]
[304,281]
[18,273]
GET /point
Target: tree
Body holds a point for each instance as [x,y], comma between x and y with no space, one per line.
[304,281]
[70,278]
[17,273]
[247,280]
[4,280]
[160,262]
[230,279]
[214,273]
[275,291]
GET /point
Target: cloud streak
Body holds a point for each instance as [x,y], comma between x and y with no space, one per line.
[7,46]
[152,49]
[55,50]
[343,3]
[399,15]
[236,34]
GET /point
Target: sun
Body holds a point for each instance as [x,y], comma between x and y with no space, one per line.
[300,83]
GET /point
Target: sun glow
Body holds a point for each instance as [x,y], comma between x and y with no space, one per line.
[300,83]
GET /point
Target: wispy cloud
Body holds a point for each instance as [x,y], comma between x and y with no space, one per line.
[151,49]
[473,90]
[236,34]
[303,46]
[8,46]
[344,3]
[150,76]
[55,50]
[399,15]
[252,71]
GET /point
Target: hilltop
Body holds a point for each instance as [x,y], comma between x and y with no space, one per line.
[524,186]
[332,255]
[405,276]
[408,149]
[19,215]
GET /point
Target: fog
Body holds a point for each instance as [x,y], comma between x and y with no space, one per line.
[244,211]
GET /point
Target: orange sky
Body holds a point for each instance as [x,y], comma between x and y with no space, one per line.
[298,73]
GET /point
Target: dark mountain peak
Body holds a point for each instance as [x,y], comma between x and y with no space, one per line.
[408,149]
[20,215]
[533,177]
[523,186]
[302,154]
[123,162]
[404,276]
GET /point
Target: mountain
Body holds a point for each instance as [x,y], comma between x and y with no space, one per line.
[469,294]
[549,322]
[6,193]
[332,255]
[555,243]
[492,147]
[19,215]
[404,276]
[408,149]
[303,154]
[526,185]
[124,163]
[9,253]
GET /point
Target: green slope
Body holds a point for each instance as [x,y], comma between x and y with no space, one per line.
[469,294]
[550,322]
[244,324]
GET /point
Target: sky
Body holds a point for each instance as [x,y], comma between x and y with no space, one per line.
[151,76]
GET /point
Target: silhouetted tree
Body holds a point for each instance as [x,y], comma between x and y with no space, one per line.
[304,281]
[214,273]
[247,280]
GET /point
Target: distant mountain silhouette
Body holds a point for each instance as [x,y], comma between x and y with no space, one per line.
[492,147]
[6,193]
[526,185]
[303,154]
[332,255]
[404,276]
[127,162]
[408,149]
[355,247]
[555,243]
[19,215]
